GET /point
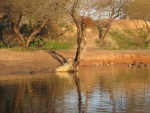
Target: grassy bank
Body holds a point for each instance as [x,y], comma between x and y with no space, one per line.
[125,39]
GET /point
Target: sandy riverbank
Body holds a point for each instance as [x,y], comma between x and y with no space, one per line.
[12,61]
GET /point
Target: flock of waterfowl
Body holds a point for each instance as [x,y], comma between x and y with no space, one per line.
[138,65]
[32,72]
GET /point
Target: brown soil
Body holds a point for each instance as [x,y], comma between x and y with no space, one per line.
[25,61]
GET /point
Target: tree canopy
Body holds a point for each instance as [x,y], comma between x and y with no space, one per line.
[138,9]
[31,12]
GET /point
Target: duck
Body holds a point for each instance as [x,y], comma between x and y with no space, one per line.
[139,66]
[130,65]
[145,65]
[134,63]
[32,72]
[141,63]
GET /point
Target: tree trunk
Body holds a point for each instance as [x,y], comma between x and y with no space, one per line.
[19,20]
[1,29]
[2,17]
[20,38]
[72,66]
[80,49]
[114,14]
[31,37]
[79,40]
[80,25]
[107,29]
[36,32]
[147,26]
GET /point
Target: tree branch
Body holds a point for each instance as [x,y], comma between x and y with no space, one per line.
[37,31]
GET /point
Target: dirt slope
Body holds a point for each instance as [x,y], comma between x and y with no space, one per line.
[120,24]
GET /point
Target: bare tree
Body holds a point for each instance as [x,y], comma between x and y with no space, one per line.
[78,13]
[79,22]
[110,10]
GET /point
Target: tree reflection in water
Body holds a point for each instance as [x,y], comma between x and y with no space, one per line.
[92,90]
[32,95]
[78,86]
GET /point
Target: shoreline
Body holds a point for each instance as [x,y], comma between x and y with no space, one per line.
[12,61]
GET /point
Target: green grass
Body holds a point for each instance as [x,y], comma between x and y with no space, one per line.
[129,40]
[53,45]
[50,45]
[58,45]
[126,39]
[129,32]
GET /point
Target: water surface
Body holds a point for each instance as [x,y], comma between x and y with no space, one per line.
[92,90]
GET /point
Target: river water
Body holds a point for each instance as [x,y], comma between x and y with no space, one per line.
[114,89]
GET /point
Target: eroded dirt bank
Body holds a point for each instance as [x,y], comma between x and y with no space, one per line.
[24,61]
[115,57]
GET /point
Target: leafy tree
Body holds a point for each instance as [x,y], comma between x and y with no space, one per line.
[32,12]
